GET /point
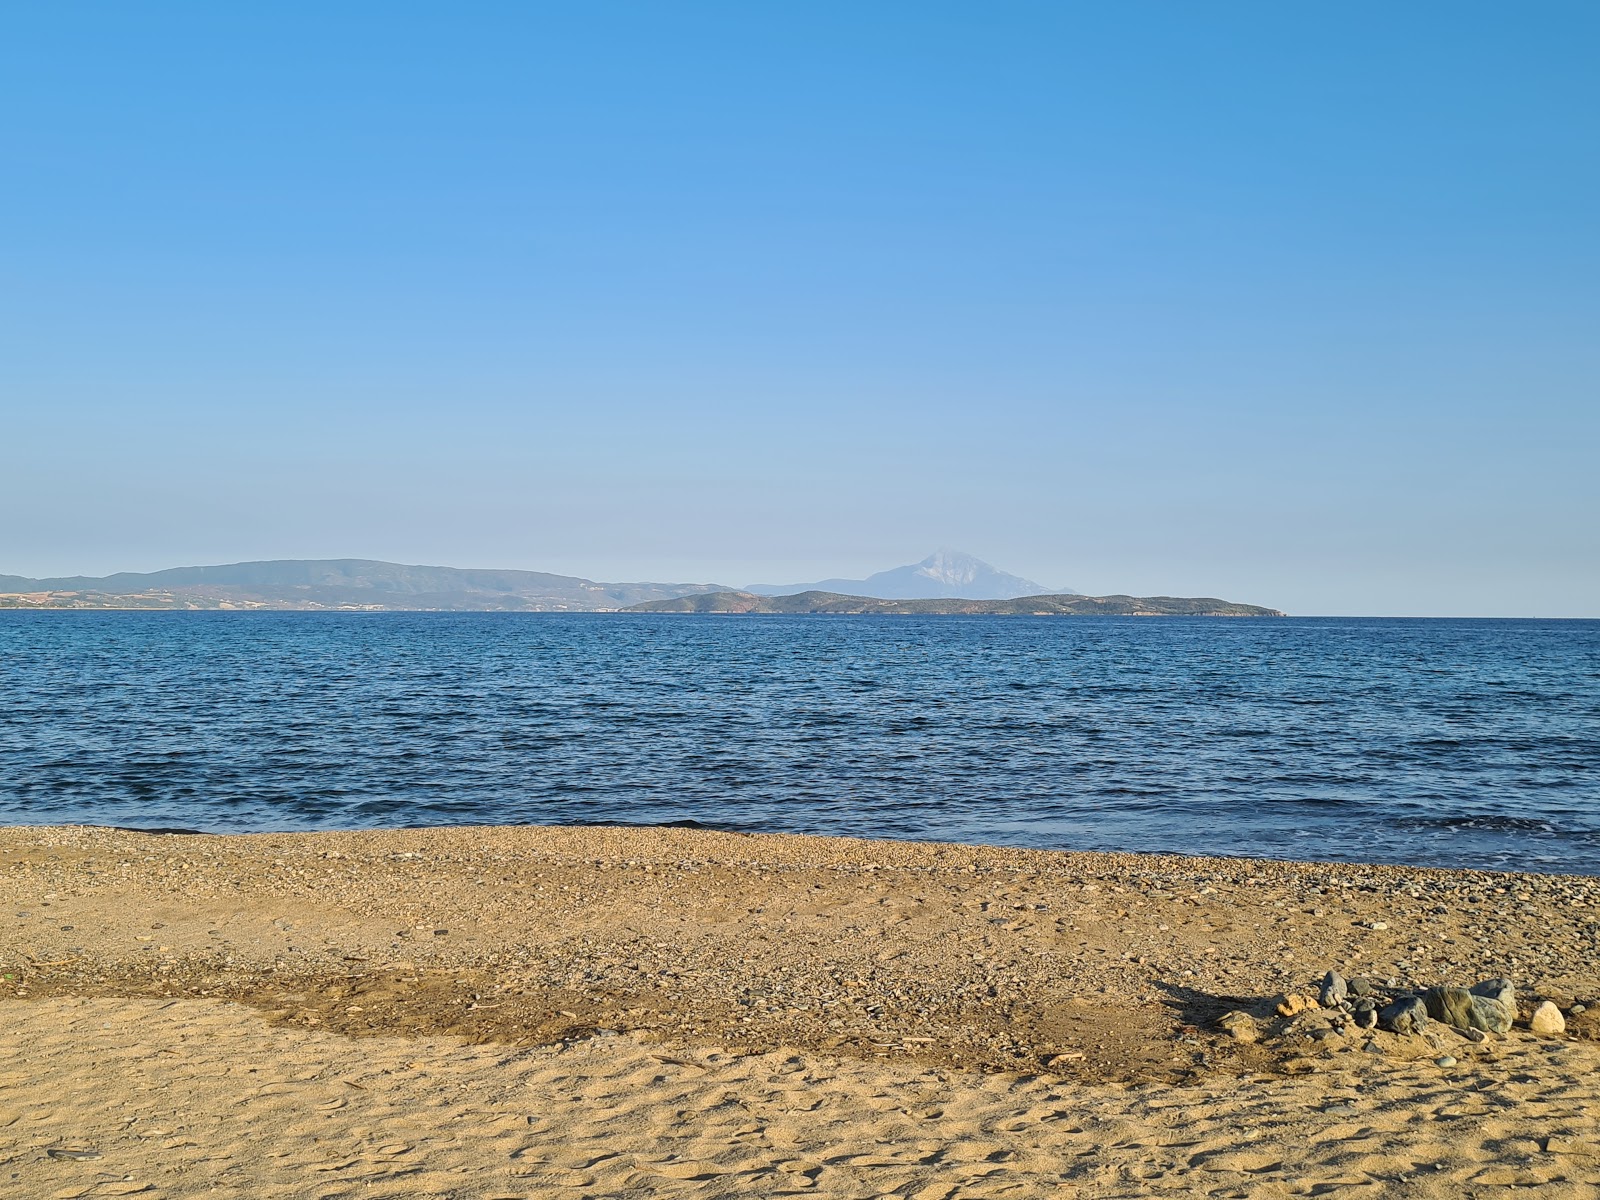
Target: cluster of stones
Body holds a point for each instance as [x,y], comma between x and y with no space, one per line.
[1488,1007]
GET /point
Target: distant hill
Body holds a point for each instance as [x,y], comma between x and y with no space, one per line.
[1043,606]
[339,583]
[945,574]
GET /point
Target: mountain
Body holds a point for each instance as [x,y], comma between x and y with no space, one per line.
[1065,605]
[339,583]
[945,574]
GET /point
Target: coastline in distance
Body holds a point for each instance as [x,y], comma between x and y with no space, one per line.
[1038,606]
[945,582]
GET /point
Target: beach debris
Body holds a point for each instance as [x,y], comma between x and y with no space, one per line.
[74,1153]
[1333,990]
[1239,1025]
[1547,1020]
[1407,1015]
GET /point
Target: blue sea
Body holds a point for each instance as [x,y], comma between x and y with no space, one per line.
[1456,743]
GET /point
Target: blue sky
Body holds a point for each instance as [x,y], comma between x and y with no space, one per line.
[1291,304]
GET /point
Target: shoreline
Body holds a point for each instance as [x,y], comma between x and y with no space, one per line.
[870,960]
[1571,877]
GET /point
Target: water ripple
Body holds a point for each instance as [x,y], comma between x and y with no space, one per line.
[1454,743]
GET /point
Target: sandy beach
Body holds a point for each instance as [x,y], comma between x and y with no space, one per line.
[511,1012]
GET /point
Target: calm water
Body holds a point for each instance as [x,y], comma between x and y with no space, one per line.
[1453,743]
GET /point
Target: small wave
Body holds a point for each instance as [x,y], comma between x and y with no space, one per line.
[1506,824]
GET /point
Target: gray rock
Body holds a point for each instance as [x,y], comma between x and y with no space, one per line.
[1366,1014]
[1407,1016]
[1445,1060]
[1451,1005]
[1499,990]
[1333,990]
[1490,1015]
[1360,986]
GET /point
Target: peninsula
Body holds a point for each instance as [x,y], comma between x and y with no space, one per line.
[1025,606]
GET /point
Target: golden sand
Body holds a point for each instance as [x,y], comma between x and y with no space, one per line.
[609,1012]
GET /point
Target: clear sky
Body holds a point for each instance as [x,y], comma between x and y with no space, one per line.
[1295,304]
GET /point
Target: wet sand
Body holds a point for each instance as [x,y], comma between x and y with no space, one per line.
[612,1012]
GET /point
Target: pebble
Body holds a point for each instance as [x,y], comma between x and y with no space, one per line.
[1445,1060]
[1366,1014]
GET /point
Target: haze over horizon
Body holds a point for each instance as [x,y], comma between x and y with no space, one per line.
[1286,306]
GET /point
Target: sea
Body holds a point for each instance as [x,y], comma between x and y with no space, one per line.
[1451,743]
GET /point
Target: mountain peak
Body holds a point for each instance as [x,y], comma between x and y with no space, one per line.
[944,574]
[954,567]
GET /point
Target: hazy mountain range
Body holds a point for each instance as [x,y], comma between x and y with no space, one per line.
[339,583]
[945,574]
[946,582]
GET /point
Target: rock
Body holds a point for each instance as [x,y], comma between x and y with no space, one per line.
[1452,1005]
[1445,1060]
[1240,1026]
[1380,926]
[1360,986]
[1333,990]
[1547,1020]
[1366,1014]
[1490,1015]
[1293,1004]
[1499,990]
[1578,1008]
[1406,1016]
